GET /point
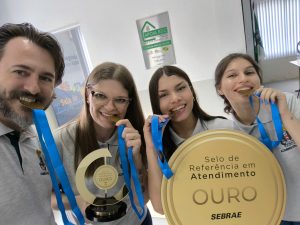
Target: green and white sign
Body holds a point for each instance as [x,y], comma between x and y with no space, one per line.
[156,40]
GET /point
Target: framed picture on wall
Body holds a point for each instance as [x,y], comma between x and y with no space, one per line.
[69,98]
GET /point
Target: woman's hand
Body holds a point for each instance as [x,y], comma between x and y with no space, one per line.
[267,95]
[154,171]
[147,128]
[131,136]
[289,120]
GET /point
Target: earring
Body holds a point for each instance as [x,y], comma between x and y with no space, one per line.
[219,92]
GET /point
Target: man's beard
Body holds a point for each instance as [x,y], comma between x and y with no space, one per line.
[6,111]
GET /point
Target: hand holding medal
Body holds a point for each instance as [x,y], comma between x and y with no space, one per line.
[105,179]
[268,96]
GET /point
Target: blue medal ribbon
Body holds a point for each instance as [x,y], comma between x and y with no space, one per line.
[156,132]
[55,167]
[127,161]
[264,137]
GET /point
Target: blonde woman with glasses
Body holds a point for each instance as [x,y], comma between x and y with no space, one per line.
[110,93]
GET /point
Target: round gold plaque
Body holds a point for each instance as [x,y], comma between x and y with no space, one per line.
[224,177]
[105,177]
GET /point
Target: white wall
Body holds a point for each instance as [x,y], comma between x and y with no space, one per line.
[286,86]
[281,69]
[203,32]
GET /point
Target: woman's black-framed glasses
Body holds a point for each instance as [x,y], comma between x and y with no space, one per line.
[101,98]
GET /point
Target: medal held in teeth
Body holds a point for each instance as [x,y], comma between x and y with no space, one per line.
[247,92]
[115,119]
[31,104]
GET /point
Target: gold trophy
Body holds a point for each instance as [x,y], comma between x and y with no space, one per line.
[224,177]
[96,182]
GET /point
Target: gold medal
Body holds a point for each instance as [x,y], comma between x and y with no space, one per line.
[32,105]
[246,92]
[115,119]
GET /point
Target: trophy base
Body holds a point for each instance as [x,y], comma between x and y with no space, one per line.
[105,213]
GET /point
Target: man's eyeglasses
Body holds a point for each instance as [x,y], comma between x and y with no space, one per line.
[101,98]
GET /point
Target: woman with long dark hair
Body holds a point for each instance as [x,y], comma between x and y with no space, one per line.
[173,97]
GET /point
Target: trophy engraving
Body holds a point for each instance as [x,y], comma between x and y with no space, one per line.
[105,177]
